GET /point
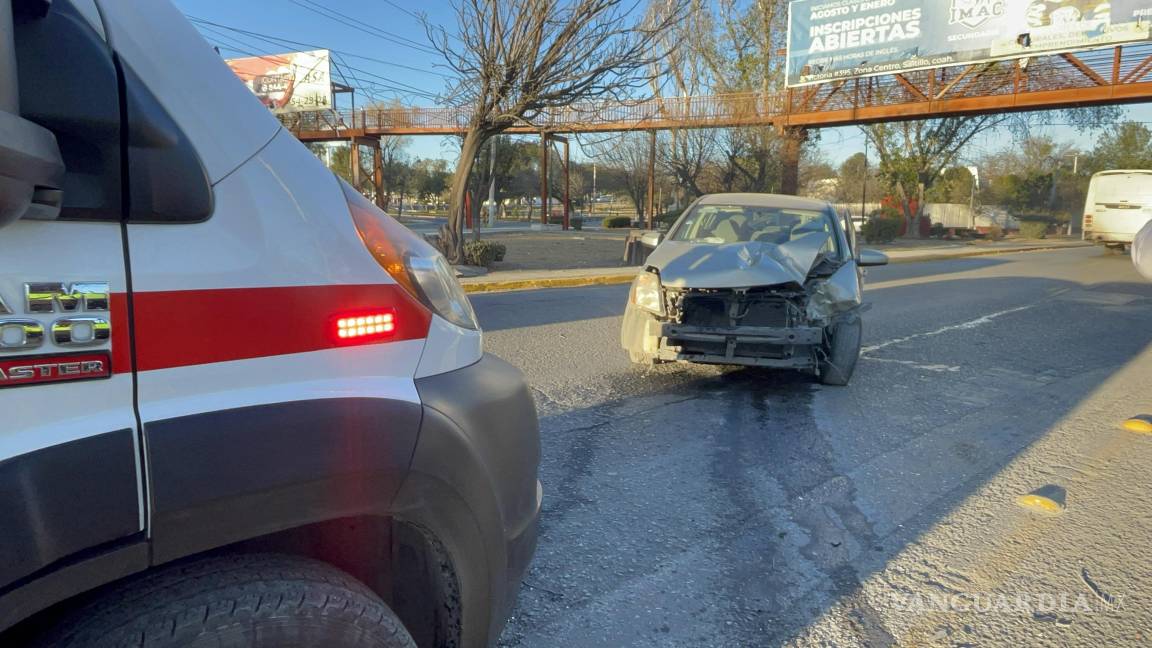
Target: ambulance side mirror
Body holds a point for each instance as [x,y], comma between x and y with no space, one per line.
[31,171]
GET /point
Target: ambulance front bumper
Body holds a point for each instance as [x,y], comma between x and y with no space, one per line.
[474,483]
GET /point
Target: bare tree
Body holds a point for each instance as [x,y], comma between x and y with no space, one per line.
[627,155]
[516,60]
[686,153]
[742,52]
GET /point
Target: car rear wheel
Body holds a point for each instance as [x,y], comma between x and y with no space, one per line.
[258,600]
[841,352]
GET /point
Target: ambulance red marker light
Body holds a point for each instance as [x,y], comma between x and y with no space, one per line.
[365,326]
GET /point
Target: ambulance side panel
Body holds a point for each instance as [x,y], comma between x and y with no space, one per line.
[70,465]
[255,419]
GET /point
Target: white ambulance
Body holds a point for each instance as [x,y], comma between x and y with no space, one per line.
[239,405]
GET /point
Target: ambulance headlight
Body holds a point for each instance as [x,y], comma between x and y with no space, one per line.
[417,266]
[436,280]
[646,292]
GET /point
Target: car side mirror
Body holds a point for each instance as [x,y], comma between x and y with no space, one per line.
[872,258]
[652,239]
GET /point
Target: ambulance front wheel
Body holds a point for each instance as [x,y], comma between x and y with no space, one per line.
[260,600]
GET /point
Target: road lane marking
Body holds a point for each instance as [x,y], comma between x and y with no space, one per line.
[971,324]
[939,368]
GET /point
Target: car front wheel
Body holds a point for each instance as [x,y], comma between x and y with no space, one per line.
[841,351]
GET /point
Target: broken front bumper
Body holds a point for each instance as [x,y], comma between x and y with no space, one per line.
[760,346]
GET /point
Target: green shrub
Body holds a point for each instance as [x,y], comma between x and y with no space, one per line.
[483,253]
[937,230]
[887,212]
[574,221]
[617,222]
[881,229]
[1035,227]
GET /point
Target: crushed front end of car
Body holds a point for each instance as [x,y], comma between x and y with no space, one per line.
[755,304]
[764,326]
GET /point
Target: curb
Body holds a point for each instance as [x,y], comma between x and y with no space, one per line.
[977,253]
[554,282]
[497,285]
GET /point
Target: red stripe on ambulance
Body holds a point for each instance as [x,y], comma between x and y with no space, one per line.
[195,327]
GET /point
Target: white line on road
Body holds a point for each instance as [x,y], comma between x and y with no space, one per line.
[971,324]
[939,368]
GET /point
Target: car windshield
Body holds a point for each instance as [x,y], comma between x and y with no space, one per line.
[744,223]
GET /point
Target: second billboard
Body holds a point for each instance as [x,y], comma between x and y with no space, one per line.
[843,39]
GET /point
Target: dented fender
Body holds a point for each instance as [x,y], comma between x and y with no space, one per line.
[839,293]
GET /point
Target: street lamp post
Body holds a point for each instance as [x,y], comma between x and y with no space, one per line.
[592,203]
[864,183]
[975,173]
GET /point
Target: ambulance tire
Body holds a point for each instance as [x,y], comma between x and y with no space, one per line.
[257,600]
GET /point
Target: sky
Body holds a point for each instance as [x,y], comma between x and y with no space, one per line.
[381,47]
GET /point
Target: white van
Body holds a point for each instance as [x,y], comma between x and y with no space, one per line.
[1119,203]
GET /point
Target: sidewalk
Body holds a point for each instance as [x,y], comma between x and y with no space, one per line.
[501,280]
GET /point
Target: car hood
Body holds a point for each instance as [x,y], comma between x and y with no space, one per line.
[684,264]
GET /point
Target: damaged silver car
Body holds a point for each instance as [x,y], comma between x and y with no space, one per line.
[752,279]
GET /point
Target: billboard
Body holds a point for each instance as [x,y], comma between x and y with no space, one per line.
[292,82]
[844,39]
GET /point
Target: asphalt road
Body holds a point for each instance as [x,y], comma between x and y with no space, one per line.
[702,506]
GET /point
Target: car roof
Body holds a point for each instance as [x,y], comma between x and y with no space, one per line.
[1121,172]
[762,200]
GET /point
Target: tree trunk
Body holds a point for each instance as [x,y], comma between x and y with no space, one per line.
[919,208]
[794,138]
[911,218]
[452,234]
[905,208]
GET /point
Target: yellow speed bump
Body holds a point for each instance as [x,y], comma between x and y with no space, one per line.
[1141,424]
[1048,500]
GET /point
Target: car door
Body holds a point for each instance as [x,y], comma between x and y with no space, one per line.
[70,468]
